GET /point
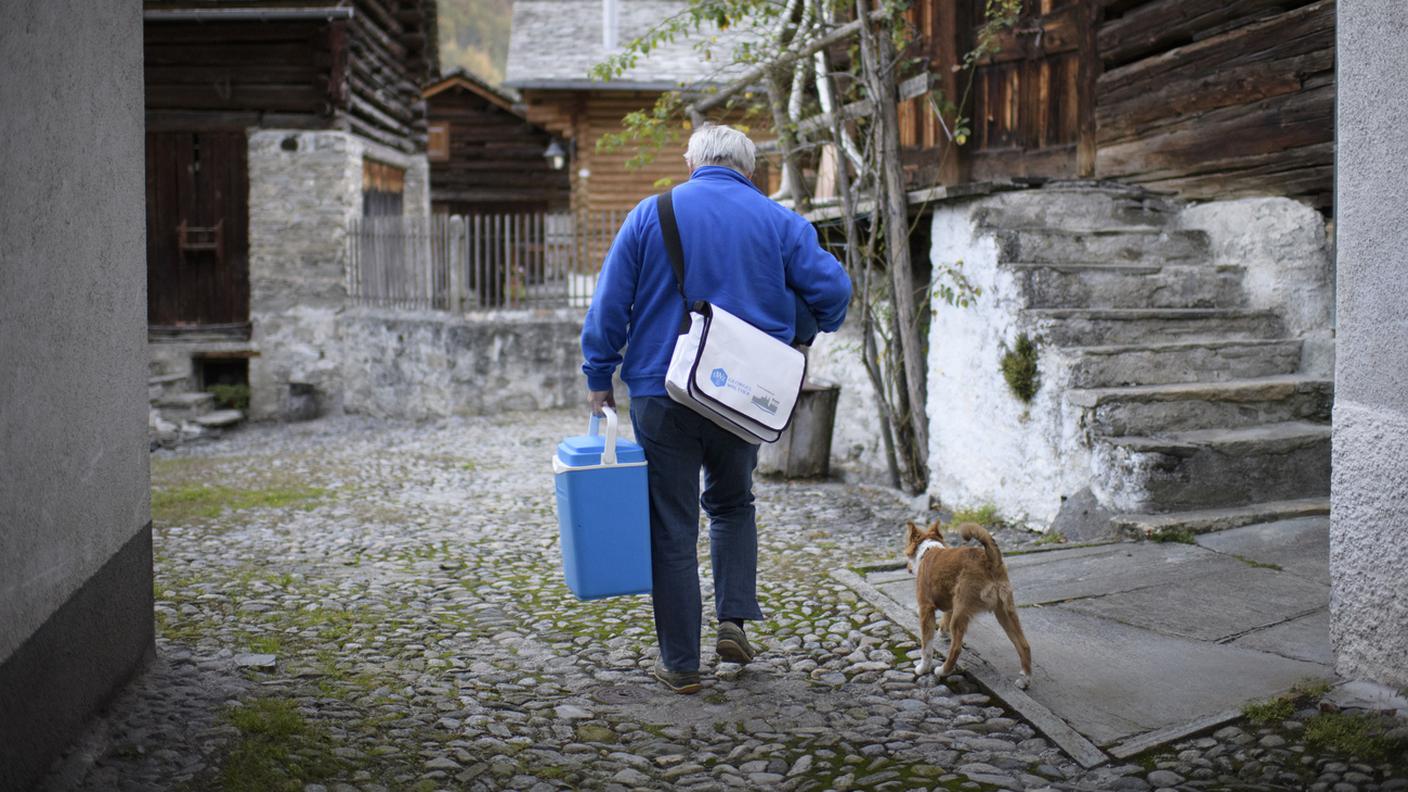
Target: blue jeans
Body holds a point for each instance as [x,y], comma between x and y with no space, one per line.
[678,442]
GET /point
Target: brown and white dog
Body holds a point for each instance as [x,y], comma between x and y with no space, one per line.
[962,582]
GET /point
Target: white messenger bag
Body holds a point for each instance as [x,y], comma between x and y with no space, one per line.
[725,369]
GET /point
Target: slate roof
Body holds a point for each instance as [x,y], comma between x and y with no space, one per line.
[555,44]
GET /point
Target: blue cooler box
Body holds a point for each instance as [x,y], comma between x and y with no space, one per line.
[603,512]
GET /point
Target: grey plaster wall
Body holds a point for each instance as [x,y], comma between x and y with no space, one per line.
[1369,495]
[74,486]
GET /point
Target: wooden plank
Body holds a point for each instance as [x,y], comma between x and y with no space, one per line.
[1161,24]
[1087,78]
[1306,172]
[1274,124]
[1060,32]
[285,98]
[1302,31]
[1199,92]
[1010,163]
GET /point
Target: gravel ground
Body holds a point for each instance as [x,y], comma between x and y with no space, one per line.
[357,605]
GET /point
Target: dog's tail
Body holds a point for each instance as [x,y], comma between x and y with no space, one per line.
[974,531]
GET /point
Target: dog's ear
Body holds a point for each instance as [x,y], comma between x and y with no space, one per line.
[911,532]
[936,528]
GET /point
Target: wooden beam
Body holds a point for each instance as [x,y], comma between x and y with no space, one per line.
[246,14]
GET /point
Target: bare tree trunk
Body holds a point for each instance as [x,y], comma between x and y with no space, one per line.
[786,142]
[826,83]
[876,58]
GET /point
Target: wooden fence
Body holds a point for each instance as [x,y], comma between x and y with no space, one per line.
[478,262]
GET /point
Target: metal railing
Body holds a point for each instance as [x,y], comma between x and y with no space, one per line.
[478,262]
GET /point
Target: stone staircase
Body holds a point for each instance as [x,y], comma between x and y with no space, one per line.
[177,414]
[1188,405]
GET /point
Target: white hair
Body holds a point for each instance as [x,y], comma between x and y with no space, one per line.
[718,144]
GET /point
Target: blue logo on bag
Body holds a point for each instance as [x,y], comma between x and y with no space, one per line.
[719,377]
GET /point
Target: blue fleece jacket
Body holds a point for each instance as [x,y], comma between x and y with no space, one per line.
[742,252]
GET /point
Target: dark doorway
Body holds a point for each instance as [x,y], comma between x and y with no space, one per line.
[197,232]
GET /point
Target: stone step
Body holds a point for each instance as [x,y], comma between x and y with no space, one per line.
[1212,468]
[1148,526]
[1046,285]
[176,406]
[1057,205]
[1105,326]
[1188,361]
[1150,409]
[160,385]
[1122,246]
[219,419]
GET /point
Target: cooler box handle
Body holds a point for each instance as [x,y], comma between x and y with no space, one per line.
[608,452]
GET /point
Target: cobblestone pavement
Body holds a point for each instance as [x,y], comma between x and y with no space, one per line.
[353,605]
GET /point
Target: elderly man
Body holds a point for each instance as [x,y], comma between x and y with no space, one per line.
[761,262]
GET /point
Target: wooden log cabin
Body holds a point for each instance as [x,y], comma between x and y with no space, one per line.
[485,156]
[216,72]
[553,47]
[271,124]
[1205,98]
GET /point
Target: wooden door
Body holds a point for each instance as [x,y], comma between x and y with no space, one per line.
[197,232]
[1033,100]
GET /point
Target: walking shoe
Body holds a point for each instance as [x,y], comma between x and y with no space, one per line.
[684,682]
[733,646]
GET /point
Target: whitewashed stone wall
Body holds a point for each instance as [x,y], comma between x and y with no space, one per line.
[985,445]
[305,187]
[857,450]
[1284,249]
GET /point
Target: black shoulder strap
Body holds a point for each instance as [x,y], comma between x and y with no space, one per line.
[671,231]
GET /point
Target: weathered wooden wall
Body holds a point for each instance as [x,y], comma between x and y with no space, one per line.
[586,117]
[202,75]
[363,73]
[1218,98]
[495,159]
[391,52]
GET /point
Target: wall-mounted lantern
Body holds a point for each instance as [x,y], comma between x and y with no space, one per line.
[556,155]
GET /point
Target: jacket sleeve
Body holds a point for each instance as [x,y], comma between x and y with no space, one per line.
[608,318]
[816,277]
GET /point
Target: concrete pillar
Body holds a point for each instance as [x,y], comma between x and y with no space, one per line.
[1369,500]
[75,524]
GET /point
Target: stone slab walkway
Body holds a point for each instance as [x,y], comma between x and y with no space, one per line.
[1138,644]
[351,605]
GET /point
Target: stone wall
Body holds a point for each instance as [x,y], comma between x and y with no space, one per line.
[1369,489]
[305,188]
[857,449]
[985,445]
[75,523]
[1283,246]
[408,364]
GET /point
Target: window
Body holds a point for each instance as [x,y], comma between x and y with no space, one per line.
[382,189]
[438,146]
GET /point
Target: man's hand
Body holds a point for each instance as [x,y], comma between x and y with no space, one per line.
[599,399]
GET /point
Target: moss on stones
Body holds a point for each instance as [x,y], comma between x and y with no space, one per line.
[1019,369]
